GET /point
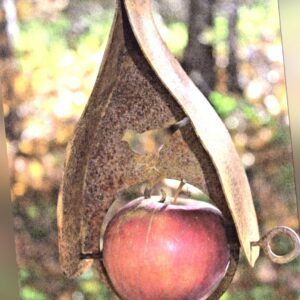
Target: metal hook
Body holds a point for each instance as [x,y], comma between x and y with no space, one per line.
[264,243]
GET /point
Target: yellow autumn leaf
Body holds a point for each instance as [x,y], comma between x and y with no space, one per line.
[21,85]
[35,169]
[24,9]
[6,109]
[26,147]
[63,135]
[19,189]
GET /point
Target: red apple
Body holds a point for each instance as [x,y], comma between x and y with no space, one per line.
[154,250]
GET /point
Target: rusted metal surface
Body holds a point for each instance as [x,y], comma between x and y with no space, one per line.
[142,87]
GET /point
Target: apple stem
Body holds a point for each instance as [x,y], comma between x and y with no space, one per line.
[163,196]
[178,191]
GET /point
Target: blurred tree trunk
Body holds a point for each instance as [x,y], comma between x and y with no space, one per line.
[232,67]
[6,52]
[8,68]
[199,60]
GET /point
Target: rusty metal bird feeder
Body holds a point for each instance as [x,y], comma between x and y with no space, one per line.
[142,87]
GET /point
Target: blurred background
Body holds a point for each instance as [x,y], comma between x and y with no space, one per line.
[50,53]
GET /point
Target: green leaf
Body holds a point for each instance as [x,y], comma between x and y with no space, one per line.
[261,292]
[24,274]
[226,296]
[30,293]
[223,104]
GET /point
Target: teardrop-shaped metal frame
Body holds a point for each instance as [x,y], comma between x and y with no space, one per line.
[89,184]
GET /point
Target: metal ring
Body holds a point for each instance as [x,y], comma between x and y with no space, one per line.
[264,243]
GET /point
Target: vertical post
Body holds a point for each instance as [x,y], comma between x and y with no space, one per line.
[199,60]
[232,67]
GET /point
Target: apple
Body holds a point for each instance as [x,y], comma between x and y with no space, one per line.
[170,251]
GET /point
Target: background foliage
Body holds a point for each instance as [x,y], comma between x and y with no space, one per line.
[58,47]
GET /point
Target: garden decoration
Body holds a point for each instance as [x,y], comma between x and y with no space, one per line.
[146,120]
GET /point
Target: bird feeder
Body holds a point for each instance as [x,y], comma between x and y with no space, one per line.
[142,88]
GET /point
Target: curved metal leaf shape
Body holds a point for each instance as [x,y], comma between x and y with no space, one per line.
[208,126]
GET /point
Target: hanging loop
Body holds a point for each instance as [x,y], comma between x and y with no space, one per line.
[265,241]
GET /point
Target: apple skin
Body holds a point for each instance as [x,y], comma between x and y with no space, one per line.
[166,251]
